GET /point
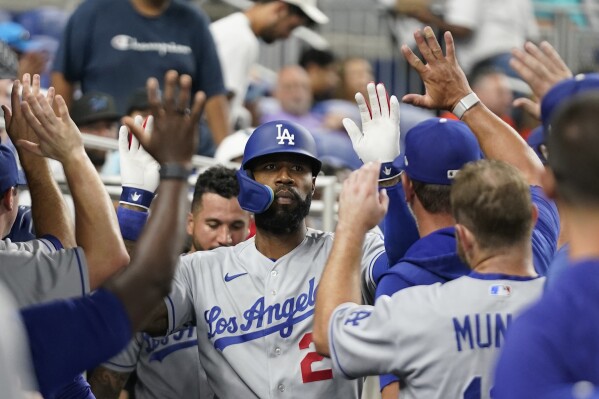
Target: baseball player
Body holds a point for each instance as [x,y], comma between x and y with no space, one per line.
[170,367]
[40,270]
[253,303]
[552,350]
[83,332]
[434,151]
[440,339]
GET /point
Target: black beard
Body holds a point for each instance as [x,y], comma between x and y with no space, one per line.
[279,220]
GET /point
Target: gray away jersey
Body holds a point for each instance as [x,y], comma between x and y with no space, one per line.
[254,318]
[34,271]
[167,367]
[441,340]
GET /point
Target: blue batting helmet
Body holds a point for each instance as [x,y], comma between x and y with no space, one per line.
[276,137]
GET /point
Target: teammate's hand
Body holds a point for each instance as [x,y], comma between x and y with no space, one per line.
[361,205]
[379,138]
[175,134]
[444,79]
[59,137]
[16,124]
[138,168]
[541,67]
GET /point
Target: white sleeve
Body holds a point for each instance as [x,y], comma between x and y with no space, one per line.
[179,303]
[374,247]
[386,338]
[41,275]
[361,340]
[464,13]
[126,361]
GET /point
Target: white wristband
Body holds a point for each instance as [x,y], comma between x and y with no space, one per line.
[465,104]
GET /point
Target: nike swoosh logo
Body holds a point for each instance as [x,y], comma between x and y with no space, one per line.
[135,196]
[233,277]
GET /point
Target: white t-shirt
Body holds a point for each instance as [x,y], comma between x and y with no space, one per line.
[238,50]
[497,25]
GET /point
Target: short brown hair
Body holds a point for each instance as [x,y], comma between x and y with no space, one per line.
[573,146]
[492,200]
[433,197]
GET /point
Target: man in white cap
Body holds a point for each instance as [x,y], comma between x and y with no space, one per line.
[237,38]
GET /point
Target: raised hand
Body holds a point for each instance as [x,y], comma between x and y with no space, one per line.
[541,67]
[174,137]
[379,138]
[139,171]
[444,79]
[59,137]
[17,126]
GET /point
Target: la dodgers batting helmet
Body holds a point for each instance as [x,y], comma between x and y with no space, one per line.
[276,137]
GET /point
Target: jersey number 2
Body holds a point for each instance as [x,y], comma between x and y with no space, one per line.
[309,375]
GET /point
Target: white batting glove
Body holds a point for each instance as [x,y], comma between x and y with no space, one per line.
[379,138]
[139,171]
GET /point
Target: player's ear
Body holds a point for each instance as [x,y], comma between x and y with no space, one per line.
[8,199]
[189,226]
[465,239]
[407,187]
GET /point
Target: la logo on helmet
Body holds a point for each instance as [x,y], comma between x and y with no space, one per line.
[284,135]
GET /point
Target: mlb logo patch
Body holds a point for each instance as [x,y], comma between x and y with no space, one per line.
[500,290]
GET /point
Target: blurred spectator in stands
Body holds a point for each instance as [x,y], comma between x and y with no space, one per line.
[140,39]
[294,98]
[138,103]
[95,113]
[32,54]
[323,71]
[485,31]
[237,39]
[231,148]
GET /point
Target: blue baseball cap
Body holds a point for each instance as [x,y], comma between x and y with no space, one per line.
[536,141]
[564,90]
[10,174]
[437,148]
[17,37]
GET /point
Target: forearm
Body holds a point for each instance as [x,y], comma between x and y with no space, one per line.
[147,280]
[96,225]
[340,281]
[400,226]
[500,141]
[49,210]
[217,114]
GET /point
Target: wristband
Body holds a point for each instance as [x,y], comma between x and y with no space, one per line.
[137,197]
[131,222]
[174,171]
[467,102]
[388,171]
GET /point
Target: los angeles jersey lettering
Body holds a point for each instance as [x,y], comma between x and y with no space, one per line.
[255,331]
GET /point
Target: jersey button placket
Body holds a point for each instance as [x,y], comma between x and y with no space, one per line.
[281,388]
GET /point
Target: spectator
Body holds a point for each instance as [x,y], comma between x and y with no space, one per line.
[323,72]
[294,99]
[140,39]
[95,113]
[237,39]
[476,23]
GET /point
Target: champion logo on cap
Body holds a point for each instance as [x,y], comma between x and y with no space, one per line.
[284,135]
